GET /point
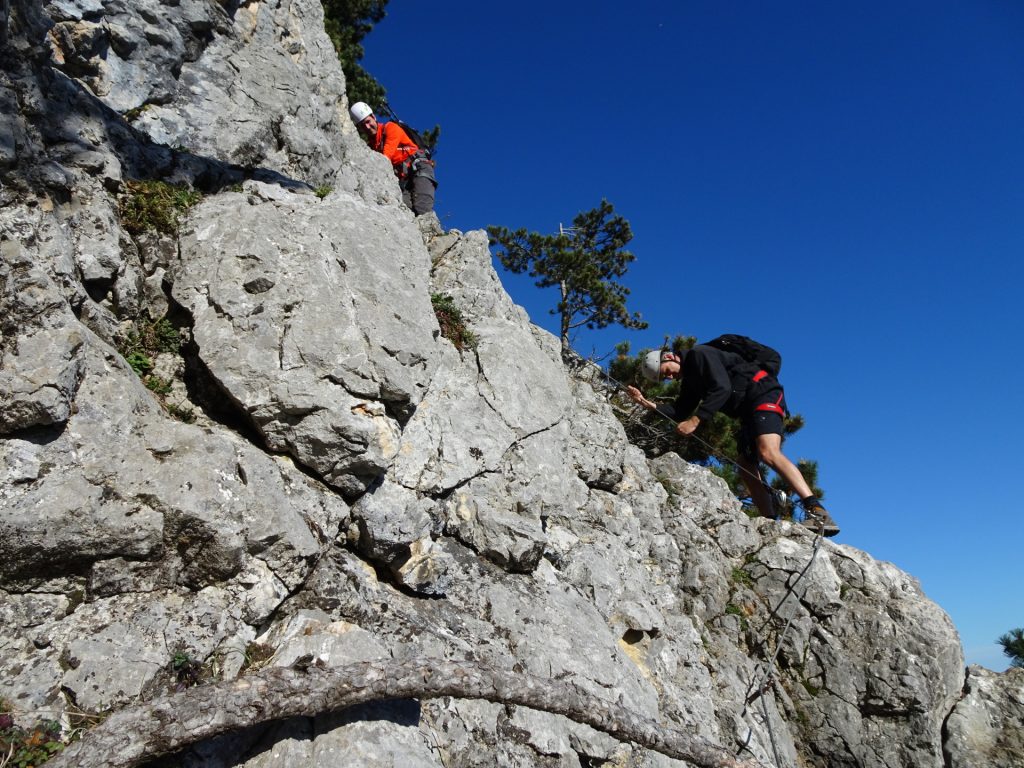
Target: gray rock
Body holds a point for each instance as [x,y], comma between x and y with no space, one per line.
[73,10]
[493,525]
[242,96]
[454,435]
[40,346]
[986,727]
[427,570]
[378,735]
[390,518]
[337,346]
[114,649]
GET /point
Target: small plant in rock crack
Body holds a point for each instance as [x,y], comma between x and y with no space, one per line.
[134,112]
[739,612]
[180,412]
[158,385]
[257,656]
[187,671]
[322,191]
[152,338]
[140,348]
[453,325]
[667,484]
[810,687]
[742,578]
[154,206]
[161,336]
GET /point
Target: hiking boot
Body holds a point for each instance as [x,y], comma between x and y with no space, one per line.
[817,518]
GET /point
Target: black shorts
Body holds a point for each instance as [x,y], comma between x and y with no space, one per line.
[756,420]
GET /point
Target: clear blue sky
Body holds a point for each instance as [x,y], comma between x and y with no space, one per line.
[843,181]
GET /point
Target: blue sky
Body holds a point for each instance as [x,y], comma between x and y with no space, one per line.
[842,181]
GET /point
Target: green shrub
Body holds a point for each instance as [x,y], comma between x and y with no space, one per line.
[453,325]
[257,655]
[667,484]
[154,206]
[134,112]
[161,336]
[140,362]
[735,610]
[140,347]
[151,339]
[811,688]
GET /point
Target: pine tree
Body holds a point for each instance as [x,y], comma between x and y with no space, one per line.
[347,22]
[583,263]
[1013,646]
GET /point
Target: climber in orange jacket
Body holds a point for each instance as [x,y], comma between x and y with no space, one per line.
[413,166]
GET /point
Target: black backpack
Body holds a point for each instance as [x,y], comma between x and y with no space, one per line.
[750,350]
[386,111]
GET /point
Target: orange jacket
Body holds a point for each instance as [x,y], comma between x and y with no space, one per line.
[395,144]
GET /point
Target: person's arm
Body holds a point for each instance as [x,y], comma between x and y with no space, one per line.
[397,144]
[683,427]
[707,366]
[638,397]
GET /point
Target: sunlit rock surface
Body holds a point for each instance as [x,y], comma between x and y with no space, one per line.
[317,472]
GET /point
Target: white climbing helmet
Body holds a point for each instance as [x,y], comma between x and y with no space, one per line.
[652,365]
[360,111]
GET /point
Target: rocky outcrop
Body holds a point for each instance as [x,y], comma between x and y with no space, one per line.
[312,474]
[987,725]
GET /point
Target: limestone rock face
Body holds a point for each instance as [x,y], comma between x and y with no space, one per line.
[244,441]
[309,325]
[174,69]
[40,368]
[987,725]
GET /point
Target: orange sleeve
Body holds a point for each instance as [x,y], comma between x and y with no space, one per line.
[397,146]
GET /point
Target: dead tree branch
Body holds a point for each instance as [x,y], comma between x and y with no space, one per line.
[167,725]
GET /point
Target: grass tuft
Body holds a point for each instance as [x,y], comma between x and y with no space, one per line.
[155,206]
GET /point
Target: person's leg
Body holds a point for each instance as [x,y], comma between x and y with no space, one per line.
[816,517]
[422,193]
[752,479]
[769,448]
[764,420]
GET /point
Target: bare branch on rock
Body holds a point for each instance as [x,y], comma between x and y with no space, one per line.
[167,725]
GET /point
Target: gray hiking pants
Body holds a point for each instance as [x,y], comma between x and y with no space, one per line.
[418,188]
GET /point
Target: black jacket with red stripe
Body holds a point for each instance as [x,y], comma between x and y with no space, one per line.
[714,380]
